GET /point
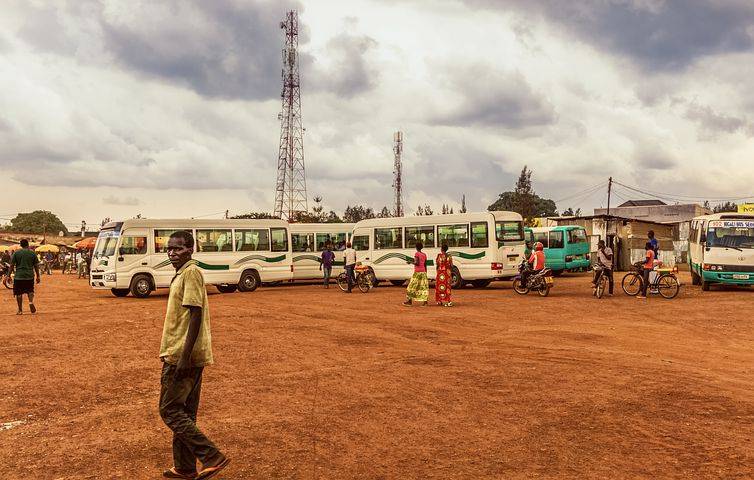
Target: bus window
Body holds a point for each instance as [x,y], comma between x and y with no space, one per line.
[360,242]
[214,240]
[133,246]
[577,235]
[556,239]
[388,238]
[479,235]
[256,240]
[509,231]
[337,241]
[426,235]
[453,235]
[731,234]
[302,242]
[279,238]
[540,237]
[161,238]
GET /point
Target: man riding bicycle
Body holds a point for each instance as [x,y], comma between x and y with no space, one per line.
[604,266]
[536,263]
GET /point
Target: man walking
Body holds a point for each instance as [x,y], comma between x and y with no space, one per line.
[326,263]
[185,350]
[350,255]
[605,262]
[25,264]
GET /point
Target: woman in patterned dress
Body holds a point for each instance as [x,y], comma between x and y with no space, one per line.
[444,263]
[418,287]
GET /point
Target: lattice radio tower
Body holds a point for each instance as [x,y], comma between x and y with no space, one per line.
[290,192]
[398,174]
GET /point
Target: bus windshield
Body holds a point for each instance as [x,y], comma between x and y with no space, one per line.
[106,242]
[731,234]
[509,231]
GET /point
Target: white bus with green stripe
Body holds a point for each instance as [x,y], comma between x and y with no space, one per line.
[130,256]
[721,250]
[307,242]
[485,246]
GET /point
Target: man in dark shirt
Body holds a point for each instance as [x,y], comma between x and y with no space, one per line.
[328,257]
[25,264]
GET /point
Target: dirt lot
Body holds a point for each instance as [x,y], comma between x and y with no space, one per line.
[318,384]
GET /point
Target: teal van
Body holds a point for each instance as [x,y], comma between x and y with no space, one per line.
[566,247]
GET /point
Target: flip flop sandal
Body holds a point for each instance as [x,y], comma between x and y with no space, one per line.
[173,473]
[210,472]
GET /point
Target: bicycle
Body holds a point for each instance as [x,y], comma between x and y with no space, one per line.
[601,282]
[364,279]
[666,283]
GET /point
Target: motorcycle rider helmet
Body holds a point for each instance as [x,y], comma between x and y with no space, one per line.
[538,246]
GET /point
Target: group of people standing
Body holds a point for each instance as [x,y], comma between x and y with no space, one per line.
[418,287]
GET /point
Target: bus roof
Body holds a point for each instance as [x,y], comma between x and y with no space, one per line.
[726,216]
[195,223]
[437,219]
[321,227]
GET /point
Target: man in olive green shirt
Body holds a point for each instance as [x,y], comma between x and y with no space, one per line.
[25,264]
[185,350]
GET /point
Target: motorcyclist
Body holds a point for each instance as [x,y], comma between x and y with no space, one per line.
[536,263]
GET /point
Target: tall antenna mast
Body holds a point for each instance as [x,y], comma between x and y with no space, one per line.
[290,191]
[398,173]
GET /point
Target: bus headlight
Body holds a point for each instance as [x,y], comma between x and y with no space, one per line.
[110,277]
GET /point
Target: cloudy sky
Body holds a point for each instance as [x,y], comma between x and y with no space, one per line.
[169,108]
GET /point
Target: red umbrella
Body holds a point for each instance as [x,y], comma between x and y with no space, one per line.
[86,243]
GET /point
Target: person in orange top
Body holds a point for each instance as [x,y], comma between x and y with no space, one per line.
[536,261]
[648,266]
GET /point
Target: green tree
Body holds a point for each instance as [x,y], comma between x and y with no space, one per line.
[39,222]
[357,213]
[333,217]
[725,207]
[463,204]
[256,216]
[524,200]
[384,213]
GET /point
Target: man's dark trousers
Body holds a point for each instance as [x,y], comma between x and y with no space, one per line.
[350,276]
[179,403]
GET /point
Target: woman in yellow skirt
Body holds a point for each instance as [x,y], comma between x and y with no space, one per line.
[418,287]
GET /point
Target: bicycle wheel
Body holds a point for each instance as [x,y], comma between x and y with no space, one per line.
[668,286]
[363,282]
[601,286]
[631,284]
[343,281]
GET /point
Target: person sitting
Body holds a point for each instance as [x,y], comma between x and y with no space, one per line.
[536,263]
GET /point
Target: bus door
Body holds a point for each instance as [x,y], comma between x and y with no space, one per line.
[131,256]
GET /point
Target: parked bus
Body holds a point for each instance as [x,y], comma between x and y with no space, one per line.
[485,246]
[130,256]
[307,242]
[721,249]
[566,247]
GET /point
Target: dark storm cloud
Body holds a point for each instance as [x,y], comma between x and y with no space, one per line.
[234,53]
[713,123]
[495,100]
[660,35]
[349,73]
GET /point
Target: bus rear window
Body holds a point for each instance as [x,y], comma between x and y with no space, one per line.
[509,231]
[577,235]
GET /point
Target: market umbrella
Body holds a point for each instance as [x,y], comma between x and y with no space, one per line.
[48,248]
[87,243]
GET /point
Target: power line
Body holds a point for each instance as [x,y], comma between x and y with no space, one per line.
[680,198]
[598,186]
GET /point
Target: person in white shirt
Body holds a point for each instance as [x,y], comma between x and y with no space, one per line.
[350,256]
[605,262]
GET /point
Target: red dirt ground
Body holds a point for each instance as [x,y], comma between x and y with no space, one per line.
[319,384]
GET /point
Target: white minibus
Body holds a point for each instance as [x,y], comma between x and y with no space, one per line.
[307,242]
[130,256]
[485,246]
[721,249]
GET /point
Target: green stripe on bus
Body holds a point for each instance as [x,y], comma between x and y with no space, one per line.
[401,256]
[162,264]
[207,266]
[307,257]
[468,256]
[262,258]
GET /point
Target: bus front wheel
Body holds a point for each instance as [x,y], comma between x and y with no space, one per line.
[141,286]
[249,281]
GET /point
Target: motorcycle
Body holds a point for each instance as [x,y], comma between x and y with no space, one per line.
[540,282]
[5,275]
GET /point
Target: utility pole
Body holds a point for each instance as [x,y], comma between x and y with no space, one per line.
[290,189]
[398,174]
[609,190]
